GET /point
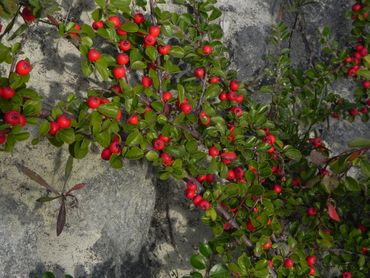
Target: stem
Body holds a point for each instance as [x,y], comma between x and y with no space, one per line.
[9,27]
[204,86]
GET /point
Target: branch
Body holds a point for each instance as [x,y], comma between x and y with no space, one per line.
[204,85]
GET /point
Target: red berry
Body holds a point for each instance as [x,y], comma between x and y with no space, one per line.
[239,172]
[54,128]
[154,31]
[230,175]
[147,82]
[12,117]
[204,205]
[316,142]
[199,72]
[149,40]
[139,18]
[117,89]
[124,45]
[228,157]
[214,80]
[288,263]
[202,178]
[250,227]
[23,67]
[119,72]
[347,274]
[115,147]
[27,15]
[296,182]
[364,110]
[2,137]
[22,120]
[189,194]
[186,108]
[207,49]
[213,151]
[267,245]
[7,93]
[311,212]
[164,50]
[166,96]
[63,121]
[197,200]
[93,55]
[354,112]
[204,119]
[166,159]
[269,139]
[119,115]
[104,100]
[97,25]
[93,102]
[122,59]
[359,47]
[356,7]
[364,52]
[347,60]
[277,188]
[366,84]
[234,85]
[210,178]
[133,119]
[311,260]
[120,32]
[115,20]
[166,139]
[239,98]
[312,271]
[106,154]
[191,186]
[159,144]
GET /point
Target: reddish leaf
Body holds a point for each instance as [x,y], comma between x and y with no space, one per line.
[61,218]
[333,213]
[78,186]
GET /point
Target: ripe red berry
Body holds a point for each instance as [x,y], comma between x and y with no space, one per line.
[27,15]
[311,212]
[119,72]
[166,159]
[207,49]
[124,45]
[164,50]
[250,227]
[166,96]
[204,119]
[210,178]
[199,72]
[364,110]
[117,89]
[316,142]
[54,128]
[63,121]
[7,93]
[12,117]
[133,119]
[359,47]
[267,245]
[186,108]
[106,154]
[228,157]
[356,7]
[189,194]
[166,139]
[154,31]
[191,186]
[364,52]
[214,80]
[147,82]
[122,59]
[139,18]
[104,100]
[159,144]
[347,274]
[2,137]
[213,151]
[116,21]
[23,67]
[354,112]
[202,178]
[312,271]
[234,85]
[204,205]
[347,60]
[311,260]
[93,55]
[277,188]
[149,40]
[197,200]
[296,182]
[366,84]
[222,96]
[115,147]
[97,24]
[288,263]
[93,102]
[269,139]
[239,172]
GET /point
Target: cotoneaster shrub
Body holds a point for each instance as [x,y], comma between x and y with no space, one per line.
[278,202]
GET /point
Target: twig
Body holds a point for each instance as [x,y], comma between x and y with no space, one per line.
[204,85]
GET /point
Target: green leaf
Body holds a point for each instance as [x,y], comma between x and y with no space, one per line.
[177,51]
[134,153]
[151,52]
[116,161]
[19,31]
[351,184]
[359,142]
[66,135]
[138,65]
[152,155]
[205,250]
[110,110]
[219,271]
[48,275]
[134,138]
[47,199]
[130,27]
[212,91]
[292,153]
[364,73]
[198,262]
